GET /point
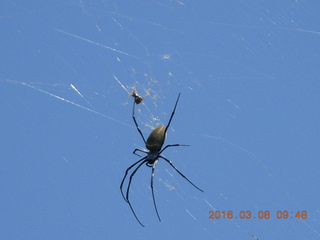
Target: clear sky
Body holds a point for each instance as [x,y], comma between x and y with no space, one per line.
[248,73]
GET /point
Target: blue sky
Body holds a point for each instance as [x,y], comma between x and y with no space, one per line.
[248,73]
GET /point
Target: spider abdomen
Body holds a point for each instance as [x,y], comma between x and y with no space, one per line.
[156,139]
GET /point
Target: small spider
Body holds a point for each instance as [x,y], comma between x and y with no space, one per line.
[154,144]
[137,98]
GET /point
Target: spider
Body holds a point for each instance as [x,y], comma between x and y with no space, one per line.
[154,144]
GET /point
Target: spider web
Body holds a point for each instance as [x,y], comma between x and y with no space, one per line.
[67,74]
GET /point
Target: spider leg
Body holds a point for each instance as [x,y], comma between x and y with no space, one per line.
[135,214]
[135,122]
[125,175]
[173,145]
[140,150]
[181,174]
[174,109]
[154,201]
[130,180]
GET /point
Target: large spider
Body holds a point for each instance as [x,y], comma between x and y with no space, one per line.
[154,144]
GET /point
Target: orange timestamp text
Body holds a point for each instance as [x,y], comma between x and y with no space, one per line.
[257,215]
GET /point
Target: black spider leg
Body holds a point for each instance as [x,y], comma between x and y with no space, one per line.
[130,180]
[173,145]
[154,201]
[181,174]
[125,175]
[174,109]
[140,150]
[135,122]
